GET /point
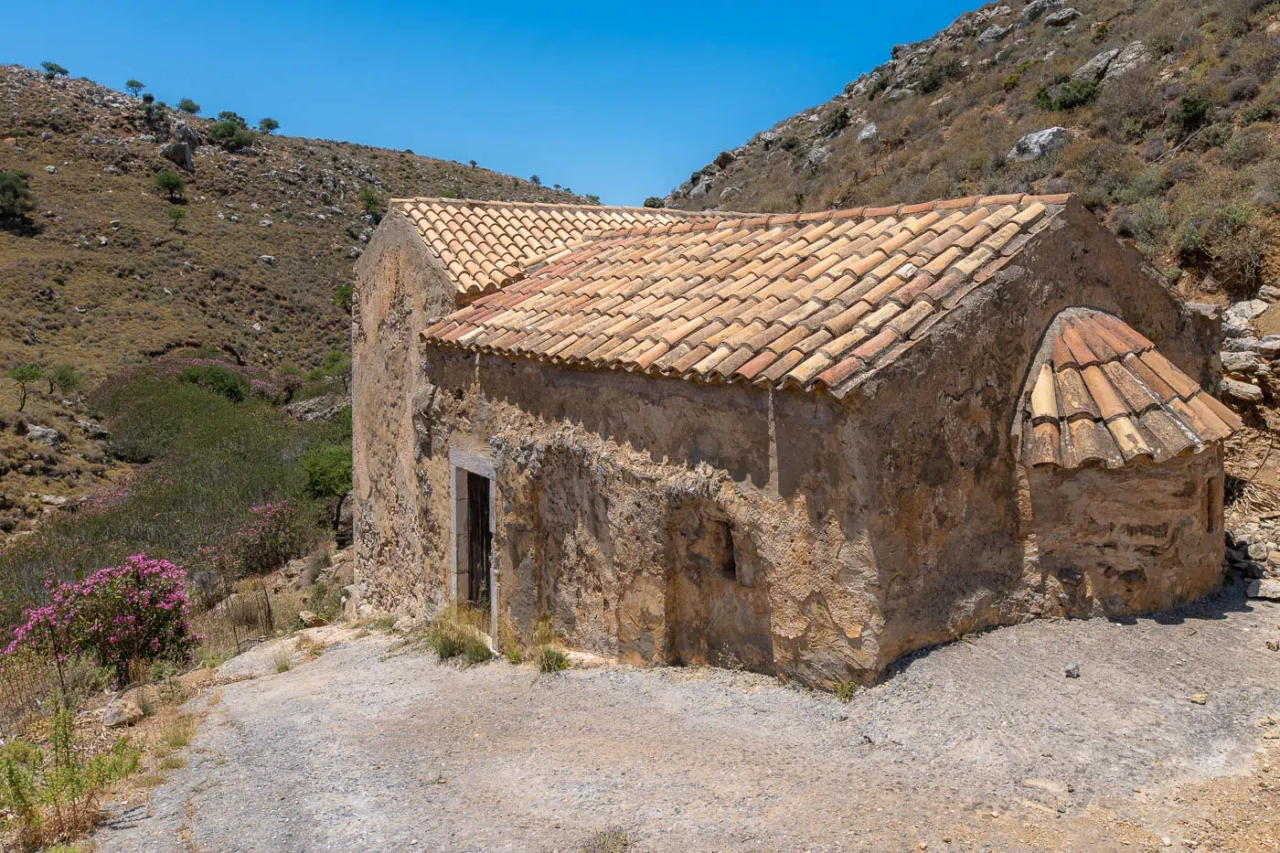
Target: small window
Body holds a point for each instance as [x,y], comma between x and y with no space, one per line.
[722,539]
[1212,504]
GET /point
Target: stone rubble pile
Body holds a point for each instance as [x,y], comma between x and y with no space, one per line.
[1250,362]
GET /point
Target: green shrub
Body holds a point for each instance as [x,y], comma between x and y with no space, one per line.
[1191,113]
[268,126]
[210,461]
[655,201]
[16,202]
[1255,113]
[65,377]
[846,690]
[231,133]
[836,122]
[328,470]
[189,106]
[56,795]
[551,659]
[475,650]
[369,200]
[1067,95]
[219,380]
[937,73]
[171,183]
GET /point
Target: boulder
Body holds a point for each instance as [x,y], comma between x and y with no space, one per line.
[1241,392]
[311,620]
[1096,67]
[869,133]
[1268,347]
[1036,9]
[122,712]
[724,158]
[819,155]
[1062,17]
[1240,362]
[180,154]
[1244,312]
[1268,588]
[47,436]
[1131,57]
[993,34]
[1039,144]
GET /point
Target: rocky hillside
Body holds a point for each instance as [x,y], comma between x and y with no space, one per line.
[108,270]
[1162,114]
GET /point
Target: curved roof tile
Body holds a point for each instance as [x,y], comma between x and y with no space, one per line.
[486,244]
[808,301]
[1104,395]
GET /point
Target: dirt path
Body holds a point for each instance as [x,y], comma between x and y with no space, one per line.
[983,744]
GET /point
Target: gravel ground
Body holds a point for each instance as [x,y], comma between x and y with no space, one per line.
[983,744]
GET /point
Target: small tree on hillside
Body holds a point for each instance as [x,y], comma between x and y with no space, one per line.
[654,201]
[170,182]
[336,365]
[328,472]
[24,375]
[535,180]
[135,87]
[369,200]
[231,132]
[65,378]
[268,126]
[16,202]
[148,99]
[53,69]
[189,106]
[343,295]
[176,217]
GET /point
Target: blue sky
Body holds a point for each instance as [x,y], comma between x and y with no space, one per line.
[623,100]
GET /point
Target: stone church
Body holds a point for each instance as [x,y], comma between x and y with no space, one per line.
[803,444]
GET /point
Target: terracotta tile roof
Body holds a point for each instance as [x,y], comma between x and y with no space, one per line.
[803,300]
[1104,395]
[486,244]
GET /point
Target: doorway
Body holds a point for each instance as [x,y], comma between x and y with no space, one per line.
[479,541]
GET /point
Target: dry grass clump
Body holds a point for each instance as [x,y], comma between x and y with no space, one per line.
[282,658]
[615,839]
[455,632]
[550,658]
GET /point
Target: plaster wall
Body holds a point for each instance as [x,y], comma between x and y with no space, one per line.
[400,288]
[1112,542]
[937,436]
[653,520]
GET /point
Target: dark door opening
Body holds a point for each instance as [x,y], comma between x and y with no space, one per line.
[479,541]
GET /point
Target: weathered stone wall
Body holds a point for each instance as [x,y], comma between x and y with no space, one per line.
[936,436]
[658,520]
[1144,537]
[399,289]
[662,520]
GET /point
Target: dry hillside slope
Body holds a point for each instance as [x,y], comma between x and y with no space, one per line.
[269,232]
[1161,114]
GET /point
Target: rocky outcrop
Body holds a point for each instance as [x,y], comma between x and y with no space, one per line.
[1039,144]
[1113,63]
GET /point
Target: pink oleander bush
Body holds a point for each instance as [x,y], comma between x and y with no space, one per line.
[273,535]
[135,611]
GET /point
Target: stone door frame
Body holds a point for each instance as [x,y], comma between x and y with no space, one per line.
[462,462]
